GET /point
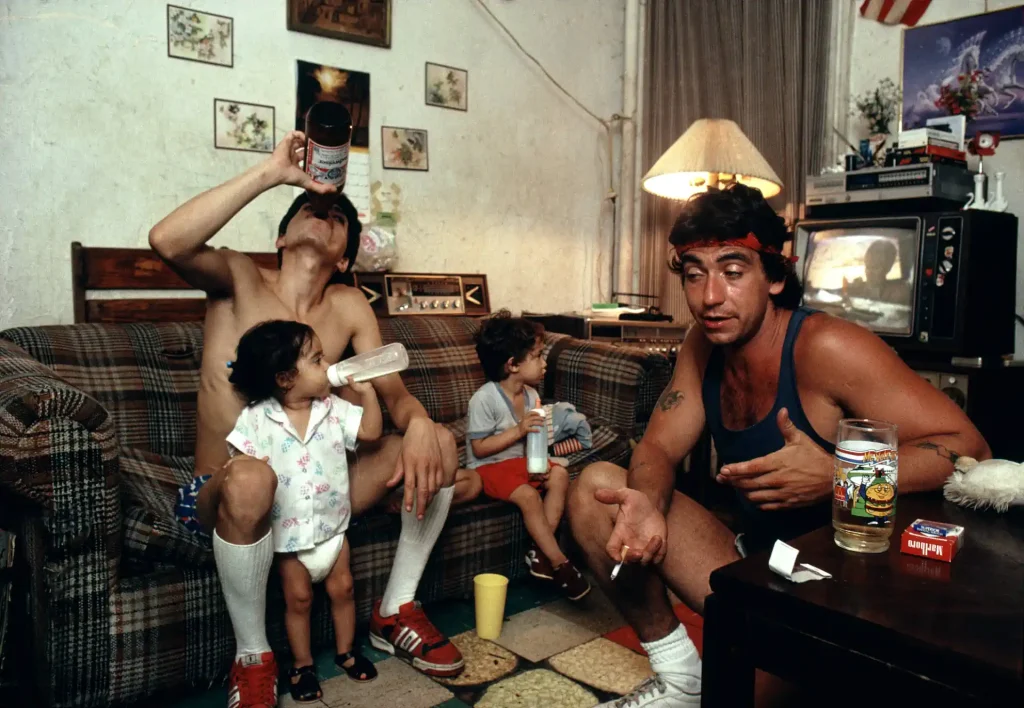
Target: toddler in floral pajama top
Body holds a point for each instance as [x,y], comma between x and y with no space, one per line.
[311,506]
[303,431]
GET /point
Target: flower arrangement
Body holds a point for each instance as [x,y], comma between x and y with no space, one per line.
[880,106]
[962,97]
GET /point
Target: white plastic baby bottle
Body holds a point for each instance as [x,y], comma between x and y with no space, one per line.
[389,359]
[537,447]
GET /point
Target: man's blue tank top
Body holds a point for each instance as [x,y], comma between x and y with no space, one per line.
[762,528]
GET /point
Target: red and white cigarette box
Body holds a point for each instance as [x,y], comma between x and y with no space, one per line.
[932,539]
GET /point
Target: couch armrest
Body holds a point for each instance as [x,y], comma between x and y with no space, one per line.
[614,385]
[59,462]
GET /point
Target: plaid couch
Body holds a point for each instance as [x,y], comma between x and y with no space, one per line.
[97,427]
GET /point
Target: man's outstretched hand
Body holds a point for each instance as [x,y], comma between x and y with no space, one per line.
[285,160]
[799,474]
[419,464]
[637,525]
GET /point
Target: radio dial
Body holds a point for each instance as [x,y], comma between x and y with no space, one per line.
[457,304]
[437,303]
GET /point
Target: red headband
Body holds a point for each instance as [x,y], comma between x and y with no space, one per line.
[750,241]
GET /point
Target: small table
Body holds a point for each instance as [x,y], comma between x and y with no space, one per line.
[887,628]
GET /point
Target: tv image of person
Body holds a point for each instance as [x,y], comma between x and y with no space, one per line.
[879,259]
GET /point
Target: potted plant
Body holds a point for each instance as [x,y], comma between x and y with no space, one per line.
[878,108]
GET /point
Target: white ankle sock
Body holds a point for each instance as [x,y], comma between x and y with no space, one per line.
[414,545]
[675,658]
[243,572]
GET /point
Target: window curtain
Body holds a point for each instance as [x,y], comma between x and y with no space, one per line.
[762,63]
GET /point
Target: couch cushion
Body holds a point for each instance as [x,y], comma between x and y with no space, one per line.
[149,492]
[145,375]
[444,370]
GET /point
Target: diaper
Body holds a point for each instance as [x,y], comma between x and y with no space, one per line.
[320,558]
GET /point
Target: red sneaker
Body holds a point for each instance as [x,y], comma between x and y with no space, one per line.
[253,681]
[411,637]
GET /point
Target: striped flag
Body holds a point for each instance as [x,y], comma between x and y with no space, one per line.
[894,12]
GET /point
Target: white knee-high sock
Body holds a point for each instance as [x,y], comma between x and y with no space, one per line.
[243,572]
[414,545]
[675,658]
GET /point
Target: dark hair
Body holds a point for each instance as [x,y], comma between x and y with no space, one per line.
[503,337]
[266,350]
[355,228]
[732,213]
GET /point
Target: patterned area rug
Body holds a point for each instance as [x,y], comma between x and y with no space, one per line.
[551,654]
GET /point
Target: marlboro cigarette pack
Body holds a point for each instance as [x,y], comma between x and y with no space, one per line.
[932,539]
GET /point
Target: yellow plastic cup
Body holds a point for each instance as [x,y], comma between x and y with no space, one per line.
[489,591]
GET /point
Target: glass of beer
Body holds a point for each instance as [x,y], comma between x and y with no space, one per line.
[864,485]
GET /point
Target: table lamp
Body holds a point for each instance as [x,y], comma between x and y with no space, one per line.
[711,153]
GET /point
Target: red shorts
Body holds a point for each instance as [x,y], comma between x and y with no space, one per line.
[503,478]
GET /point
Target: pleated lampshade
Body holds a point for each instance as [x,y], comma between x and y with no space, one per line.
[711,152]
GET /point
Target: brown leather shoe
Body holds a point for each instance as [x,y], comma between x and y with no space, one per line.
[571,582]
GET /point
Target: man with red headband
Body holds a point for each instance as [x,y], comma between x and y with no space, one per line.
[771,380]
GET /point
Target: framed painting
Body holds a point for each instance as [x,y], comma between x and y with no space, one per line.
[319,82]
[362,21]
[942,54]
[447,87]
[200,36]
[243,126]
[404,148]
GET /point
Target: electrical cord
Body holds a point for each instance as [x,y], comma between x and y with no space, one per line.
[605,123]
[1019,318]
[611,195]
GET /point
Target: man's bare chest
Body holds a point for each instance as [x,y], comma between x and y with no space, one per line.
[747,400]
[326,322]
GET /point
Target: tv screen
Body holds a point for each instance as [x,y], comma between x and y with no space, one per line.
[865,274]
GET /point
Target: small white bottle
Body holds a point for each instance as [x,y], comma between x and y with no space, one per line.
[389,359]
[537,447]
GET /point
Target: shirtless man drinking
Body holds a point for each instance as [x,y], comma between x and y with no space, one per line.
[232,499]
[771,380]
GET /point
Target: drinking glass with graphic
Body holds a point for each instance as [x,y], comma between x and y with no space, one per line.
[864,485]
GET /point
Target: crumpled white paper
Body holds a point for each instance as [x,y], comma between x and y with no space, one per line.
[783,562]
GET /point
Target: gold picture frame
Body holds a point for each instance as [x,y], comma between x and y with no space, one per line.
[361,21]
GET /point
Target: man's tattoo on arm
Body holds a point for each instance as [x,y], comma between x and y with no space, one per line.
[940,450]
[637,467]
[670,399]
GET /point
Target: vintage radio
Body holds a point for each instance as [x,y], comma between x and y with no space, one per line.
[425,294]
[654,337]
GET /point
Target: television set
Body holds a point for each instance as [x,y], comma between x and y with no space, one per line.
[939,284]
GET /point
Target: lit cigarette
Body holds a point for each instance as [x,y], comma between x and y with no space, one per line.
[618,566]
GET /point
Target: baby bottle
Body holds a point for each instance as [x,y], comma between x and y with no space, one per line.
[537,447]
[389,359]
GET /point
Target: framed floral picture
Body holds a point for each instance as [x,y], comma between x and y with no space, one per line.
[200,36]
[404,148]
[447,87]
[243,126]
[363,21]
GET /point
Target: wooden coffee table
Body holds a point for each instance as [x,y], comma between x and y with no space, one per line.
[888,629]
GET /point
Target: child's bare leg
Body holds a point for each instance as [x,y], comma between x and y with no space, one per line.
[298,597]
[528,500]
[343,606]
[467,486]
[557,487]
